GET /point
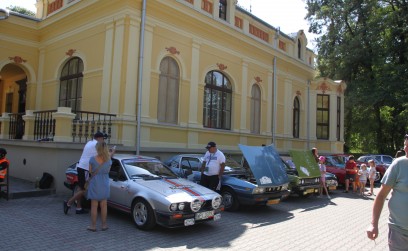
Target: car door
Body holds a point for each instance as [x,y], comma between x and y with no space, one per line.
[190,168]
[334,166]
[119,185]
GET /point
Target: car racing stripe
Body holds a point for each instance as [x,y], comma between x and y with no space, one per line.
[186,189]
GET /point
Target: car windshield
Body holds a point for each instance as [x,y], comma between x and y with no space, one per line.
[147,169]
[337,160]
[232,165]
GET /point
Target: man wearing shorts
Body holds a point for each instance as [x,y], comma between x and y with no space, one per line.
[82,169]
[351,172]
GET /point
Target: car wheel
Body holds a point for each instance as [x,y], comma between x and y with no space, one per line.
[377,177]
[229,199]
[143,215]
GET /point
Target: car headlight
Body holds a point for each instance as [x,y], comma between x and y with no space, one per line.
[181,206]
[258,190]
[284,187]
[317,179]
[301,181]
[196,205]
[216,202]
[173,207]
[177,206]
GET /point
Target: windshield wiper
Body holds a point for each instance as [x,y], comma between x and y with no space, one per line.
[145,176]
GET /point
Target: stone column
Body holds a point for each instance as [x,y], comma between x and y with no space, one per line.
[29,120]
[4,126]
[63,124]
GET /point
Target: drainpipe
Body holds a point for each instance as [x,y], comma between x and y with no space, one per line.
[308,115]
[140,77]
[275,102]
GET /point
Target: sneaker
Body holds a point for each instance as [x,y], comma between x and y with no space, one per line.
[81,211]
[328,196]
[66,207]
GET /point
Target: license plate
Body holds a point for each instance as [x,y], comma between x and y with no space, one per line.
[204,215]
[332,187]
[310,190]
[272,202]
[189,222]
[217,217]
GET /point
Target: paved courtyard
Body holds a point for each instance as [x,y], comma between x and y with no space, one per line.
[39,223]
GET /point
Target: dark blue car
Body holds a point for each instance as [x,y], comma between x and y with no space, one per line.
[261,181]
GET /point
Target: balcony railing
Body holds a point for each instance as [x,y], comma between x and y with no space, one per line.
[44,125]
[16,126]
[86,124]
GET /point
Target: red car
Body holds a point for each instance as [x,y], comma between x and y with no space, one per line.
[336,164]
[380,167]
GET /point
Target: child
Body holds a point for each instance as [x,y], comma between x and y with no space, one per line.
[322,168]
[363,173]
[371,175]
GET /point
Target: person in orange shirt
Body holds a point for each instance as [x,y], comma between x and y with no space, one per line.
[4,164]
[351,171]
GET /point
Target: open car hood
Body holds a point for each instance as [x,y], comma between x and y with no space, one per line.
[265,165]
[305,164]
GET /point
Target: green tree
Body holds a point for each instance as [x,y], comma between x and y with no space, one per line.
[365,43]
[21,10]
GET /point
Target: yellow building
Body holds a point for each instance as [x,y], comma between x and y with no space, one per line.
[210,71]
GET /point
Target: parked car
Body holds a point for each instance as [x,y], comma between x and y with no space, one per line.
[302,188]
[303,173]
[336,165]
[262,182]
[153,194]
[379,166]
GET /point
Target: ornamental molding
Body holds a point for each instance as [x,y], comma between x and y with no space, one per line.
[70,52]
[172,50]
[18,59]
[222,67]
[324,87]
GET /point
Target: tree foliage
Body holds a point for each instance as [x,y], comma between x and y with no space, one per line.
[365,43]
[21,10]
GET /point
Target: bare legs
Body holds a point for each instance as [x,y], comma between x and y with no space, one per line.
[323,186]
[77,197]
[94,213]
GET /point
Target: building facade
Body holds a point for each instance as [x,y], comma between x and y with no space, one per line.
[161,78]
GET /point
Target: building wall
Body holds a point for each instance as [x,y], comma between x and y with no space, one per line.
[105,35]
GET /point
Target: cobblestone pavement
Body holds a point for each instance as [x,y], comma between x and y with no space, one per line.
[295,224]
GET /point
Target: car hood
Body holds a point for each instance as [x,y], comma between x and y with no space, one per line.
[178,189]
[305,164]
[265,165]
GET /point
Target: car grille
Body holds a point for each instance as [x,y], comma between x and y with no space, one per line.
[310,181]
[273,189]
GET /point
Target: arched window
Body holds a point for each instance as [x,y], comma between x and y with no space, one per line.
[223,9]
[217,101]
[255,109]
[167,109]
[296,117]
[70,94]
[299,49]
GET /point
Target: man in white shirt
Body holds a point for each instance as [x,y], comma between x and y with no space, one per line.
[213,166]
[82,169]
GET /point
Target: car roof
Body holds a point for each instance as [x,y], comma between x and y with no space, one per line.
[133,156]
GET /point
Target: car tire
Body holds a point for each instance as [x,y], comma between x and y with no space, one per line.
[143,215]
[230,200]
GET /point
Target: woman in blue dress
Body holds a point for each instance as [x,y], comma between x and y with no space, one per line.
[98,189]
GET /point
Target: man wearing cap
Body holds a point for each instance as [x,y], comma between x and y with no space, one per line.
[212,167]
[395,180]
[82,169]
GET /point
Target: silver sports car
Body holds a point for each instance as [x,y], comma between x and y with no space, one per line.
[153,194]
